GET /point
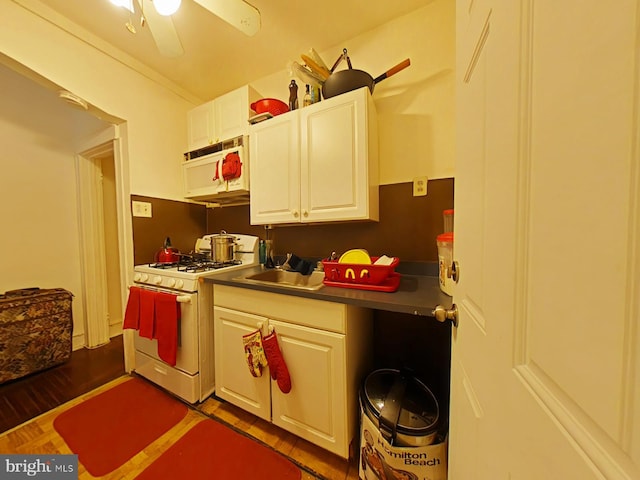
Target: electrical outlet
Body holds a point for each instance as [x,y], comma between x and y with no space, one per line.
[420,186]
[141,209]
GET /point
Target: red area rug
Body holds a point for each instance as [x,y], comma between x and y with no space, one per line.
[212,451]
[110,428]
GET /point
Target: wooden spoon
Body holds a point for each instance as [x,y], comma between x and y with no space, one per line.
[323,72]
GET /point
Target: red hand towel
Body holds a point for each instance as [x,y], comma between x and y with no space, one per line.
[147,313]
[167,316]
[132,312]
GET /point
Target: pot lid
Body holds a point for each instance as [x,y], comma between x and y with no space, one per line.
[223,235]
[418,408]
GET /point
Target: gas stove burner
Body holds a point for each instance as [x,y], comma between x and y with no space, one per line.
[187,259]
[195,266]
[164,265]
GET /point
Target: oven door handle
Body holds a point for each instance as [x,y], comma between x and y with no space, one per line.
[180,298]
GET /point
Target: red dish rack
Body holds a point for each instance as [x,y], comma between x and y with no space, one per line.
[361,275]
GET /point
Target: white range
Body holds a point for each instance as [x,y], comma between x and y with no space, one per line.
[192,378]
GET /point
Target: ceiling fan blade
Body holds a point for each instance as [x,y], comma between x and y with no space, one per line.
[162,30]
[237,13]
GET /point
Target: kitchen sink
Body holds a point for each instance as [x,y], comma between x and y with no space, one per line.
[285,278]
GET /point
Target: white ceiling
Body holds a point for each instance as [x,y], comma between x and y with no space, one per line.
[217,57]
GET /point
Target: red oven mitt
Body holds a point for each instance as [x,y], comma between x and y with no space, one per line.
[231,166]
[277,365]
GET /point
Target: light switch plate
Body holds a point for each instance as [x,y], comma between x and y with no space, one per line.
[420,186]
[141,209]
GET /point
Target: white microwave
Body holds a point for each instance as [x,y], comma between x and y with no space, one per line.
[217,170]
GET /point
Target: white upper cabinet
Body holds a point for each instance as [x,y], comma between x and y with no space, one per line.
[316,164]
[221,119]
[201,126]
[275,169]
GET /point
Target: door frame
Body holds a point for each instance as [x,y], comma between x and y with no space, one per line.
[91,229]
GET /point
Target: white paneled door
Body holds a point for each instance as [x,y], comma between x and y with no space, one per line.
[545,360]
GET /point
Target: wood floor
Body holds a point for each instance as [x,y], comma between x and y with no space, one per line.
[47,394]
[30,396]
[323,464]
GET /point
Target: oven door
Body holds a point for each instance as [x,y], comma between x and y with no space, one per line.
[217,174]
[187,353]
[202,176]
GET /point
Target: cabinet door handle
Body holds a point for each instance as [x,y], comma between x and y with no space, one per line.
[296,213]
[305,213]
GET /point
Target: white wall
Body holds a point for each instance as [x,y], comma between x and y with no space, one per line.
[38,203]
[156,117]
[416,106]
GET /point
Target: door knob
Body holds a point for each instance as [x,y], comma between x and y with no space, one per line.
[442,314]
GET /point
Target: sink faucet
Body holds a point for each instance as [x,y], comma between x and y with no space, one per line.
[285,265]
[269,262]
[296,264]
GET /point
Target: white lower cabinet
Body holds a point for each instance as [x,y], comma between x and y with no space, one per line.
[327,349]
[234,382]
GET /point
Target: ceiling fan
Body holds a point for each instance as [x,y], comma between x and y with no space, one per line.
[157,15]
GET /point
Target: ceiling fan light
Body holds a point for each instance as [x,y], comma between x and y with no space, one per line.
[166,7]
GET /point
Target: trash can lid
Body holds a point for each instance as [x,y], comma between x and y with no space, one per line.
[397,397]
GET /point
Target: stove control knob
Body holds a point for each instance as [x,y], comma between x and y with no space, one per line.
[137,277]
[179,284]
[171,282]
[157,279]
[144,277]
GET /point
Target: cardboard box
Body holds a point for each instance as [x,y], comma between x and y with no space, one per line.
[380,460]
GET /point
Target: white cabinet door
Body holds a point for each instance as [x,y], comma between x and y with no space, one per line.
[314,409]
[221,119]
[275,170]
[201,126]
[198,177]
[339,159]
[232,112]
[234,381]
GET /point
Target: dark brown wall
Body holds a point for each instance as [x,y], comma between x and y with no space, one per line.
[407,228]
[182,222]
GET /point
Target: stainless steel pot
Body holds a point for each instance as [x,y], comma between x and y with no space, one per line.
[223,247]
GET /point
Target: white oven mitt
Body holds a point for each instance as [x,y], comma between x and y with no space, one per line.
[254,352]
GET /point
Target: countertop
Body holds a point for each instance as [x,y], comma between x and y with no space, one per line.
[418,294]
